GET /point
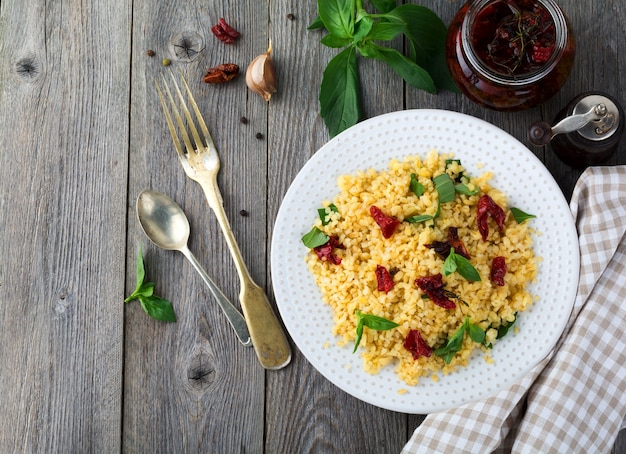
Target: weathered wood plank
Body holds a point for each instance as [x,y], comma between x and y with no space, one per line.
[192,380]
[64,114]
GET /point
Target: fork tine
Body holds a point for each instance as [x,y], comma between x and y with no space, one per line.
[194,105]
[177,116]
[170,123]
[191,124]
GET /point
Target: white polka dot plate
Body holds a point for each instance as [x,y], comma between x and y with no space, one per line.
[481,147]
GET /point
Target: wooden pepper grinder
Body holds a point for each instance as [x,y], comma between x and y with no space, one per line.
[586,132]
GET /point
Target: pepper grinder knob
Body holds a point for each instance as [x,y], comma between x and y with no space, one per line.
[586,132]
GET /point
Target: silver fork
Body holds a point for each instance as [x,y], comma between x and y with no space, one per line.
[201,163]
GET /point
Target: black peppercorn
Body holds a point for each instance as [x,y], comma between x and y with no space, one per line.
[259,136]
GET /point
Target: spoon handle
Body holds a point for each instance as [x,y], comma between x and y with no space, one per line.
[234,316]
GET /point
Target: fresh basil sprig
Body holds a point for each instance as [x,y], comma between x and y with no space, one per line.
[155,306]
[351,27]
[455,342]
[372,322]
[455,262]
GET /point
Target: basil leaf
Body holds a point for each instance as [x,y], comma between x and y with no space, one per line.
[426,33]
[449,264]
[140,269]
[359,334]
[339,92]
[146,289]
[419,218]
[158,308]
[140,272]
[520,216]
[412,73]
[377,323]
[372,322]
[504,328]
[452,161]
[476,333]
[335,41]
[324,215]
[416,187]
[315,238]
[463,189]
[337,16]
[383,6]
[363,28]
[317,24]
[454,344]
[155,306]
[445,188]
[466,269]
[385,31]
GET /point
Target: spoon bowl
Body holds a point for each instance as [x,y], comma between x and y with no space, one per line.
[165,224]
[162,220]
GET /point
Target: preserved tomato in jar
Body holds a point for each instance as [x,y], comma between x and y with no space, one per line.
[510,54]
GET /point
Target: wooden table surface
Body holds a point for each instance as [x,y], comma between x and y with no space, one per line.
[83,134]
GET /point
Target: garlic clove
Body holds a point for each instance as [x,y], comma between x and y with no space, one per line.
[261,75]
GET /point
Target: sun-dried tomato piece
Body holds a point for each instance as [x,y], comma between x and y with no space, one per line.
[457,243]
[225,32]
[386,223]
[433,287]
[487,207]
[443,247]
[384,279]
[498,270]
[221,73]
[327,251]
[416,344]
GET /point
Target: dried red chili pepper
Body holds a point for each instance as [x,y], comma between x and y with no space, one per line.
[225,32]
[498,270]
[384,279]
[433,287]
[221,73]
[386,223]
[326,251]
[487,207]
[417,345]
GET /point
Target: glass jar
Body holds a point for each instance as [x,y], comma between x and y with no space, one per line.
[510,55]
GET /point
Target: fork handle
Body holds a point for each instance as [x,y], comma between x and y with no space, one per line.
[268,338]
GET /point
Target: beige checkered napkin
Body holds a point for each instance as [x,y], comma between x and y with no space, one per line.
[574,401]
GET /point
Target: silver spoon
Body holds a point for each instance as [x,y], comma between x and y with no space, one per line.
[165,223]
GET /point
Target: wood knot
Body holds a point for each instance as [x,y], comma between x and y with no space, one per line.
[200,373]
[28,68]
[187,45]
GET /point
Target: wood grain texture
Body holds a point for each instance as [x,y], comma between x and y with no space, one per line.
[192,379]
[83,134]
[64,115]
